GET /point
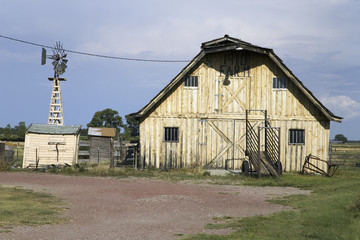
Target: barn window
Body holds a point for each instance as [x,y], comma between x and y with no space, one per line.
[171,134]
[296,136]
[279,83]
[191,81]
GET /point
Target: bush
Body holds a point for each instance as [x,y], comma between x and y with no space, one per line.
[4,165]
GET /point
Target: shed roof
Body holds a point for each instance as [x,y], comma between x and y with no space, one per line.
[227,43]
[54,129]
[102,132]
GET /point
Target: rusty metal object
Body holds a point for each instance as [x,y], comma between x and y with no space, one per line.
[311,162]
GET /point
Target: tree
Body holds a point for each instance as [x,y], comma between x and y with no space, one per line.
[21,130]
[106,118]
[340,137]
[131,131]
[7,132]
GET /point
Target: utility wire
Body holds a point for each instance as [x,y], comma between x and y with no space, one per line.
[95,55]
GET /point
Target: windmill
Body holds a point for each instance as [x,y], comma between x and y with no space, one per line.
[59,62]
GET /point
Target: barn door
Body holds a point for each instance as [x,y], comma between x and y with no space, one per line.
[171,141]
[171,158]
[222,142]
[231,94]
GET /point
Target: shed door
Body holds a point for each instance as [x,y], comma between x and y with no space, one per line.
[222,142]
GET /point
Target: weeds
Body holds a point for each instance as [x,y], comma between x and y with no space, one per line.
[356,206]
[4,165]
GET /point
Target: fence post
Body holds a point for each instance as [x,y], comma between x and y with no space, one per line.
[233,153]
[17,152]
[36,158]
[259,153]
[279,153]
[136,156]
[112,149]
[98,155]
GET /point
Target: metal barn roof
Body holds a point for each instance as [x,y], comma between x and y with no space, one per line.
[101,132]
[54,129]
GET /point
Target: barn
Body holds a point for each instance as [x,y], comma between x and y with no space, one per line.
[47,144]
[235,105]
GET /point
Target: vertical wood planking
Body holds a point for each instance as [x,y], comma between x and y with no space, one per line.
[185,107]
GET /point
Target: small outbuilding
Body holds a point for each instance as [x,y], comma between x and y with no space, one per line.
[101,144]
[51,144]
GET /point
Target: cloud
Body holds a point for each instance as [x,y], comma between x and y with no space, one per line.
[343,105]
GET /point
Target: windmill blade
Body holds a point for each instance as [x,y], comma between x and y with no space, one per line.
[63,66]
[54,63]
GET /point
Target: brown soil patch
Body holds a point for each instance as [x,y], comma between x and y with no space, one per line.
[133,208]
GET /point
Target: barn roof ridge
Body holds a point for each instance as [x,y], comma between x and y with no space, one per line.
[229,43]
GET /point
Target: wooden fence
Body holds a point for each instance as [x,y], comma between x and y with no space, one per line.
[123,153]
[347,153]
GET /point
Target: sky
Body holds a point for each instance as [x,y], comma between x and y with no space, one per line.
[319,40]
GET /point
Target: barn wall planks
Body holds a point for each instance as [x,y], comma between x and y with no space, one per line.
[38,145]
[211,117]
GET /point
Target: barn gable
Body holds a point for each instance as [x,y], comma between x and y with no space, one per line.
[203,116]
[227,43]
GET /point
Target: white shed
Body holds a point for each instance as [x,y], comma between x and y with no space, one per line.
[51,144]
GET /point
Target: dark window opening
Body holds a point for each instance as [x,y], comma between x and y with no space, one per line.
[191,81]
[279,83]
[171,134]
[296,136]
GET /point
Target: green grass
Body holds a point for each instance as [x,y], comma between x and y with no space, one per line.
[332,211]
[25,207]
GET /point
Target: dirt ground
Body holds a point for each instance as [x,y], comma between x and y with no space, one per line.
[133,208]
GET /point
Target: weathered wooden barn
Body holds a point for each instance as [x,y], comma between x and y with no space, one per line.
[234,104]
[51,144]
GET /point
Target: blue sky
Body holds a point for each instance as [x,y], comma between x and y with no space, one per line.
[319,40]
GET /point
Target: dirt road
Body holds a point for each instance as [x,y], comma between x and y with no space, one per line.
[132,208]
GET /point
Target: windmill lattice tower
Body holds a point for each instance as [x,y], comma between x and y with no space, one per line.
[59,62]
[56,114]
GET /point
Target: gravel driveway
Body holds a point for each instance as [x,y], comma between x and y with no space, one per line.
[134,208]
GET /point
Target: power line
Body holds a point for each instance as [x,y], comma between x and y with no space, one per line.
[95,55]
